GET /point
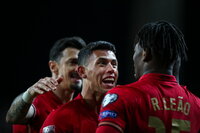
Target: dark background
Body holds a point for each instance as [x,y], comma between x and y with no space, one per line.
[31,27]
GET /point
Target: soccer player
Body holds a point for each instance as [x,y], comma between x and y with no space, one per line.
[98,68]
[156,103]
[32,107]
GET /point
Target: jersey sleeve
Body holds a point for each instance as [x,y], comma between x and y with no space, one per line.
[112,109]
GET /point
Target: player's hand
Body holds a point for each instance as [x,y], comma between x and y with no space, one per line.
[44,85]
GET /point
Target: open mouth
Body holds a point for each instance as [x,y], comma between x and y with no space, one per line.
[109,82]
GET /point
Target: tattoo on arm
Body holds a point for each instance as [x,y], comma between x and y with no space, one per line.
[17,113]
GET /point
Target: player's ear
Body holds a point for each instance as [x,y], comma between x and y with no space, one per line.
[53,66]
[81,71]
[147,56]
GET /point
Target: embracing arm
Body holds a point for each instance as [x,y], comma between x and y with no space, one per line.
[22,110]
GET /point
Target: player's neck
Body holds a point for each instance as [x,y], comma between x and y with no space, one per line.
[155,67]
[91,99]
[63,95]
[158,70]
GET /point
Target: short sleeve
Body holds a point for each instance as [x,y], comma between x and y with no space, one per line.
[112,108]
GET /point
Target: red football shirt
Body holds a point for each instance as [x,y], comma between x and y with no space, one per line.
[156,103]
[43,105]
[17,128]
[73,117]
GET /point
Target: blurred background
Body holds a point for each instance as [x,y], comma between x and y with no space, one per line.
[31,27]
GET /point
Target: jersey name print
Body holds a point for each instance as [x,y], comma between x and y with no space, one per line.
[173,104]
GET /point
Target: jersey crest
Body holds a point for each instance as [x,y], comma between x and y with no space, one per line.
[49,129]
[109,98]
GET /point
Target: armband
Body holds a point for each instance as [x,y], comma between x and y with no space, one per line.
[26,97]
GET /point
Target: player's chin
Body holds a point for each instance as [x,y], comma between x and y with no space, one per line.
[108,86]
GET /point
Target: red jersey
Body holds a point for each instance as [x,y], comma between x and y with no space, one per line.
[43,105]
[73,117]
[156,103]
[20,128]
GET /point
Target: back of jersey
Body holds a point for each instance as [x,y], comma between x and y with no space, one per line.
[162,106]
[154,104]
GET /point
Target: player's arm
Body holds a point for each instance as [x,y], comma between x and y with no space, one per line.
[108,127]
[21,109]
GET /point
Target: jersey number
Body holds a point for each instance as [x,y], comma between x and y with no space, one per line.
[177,125]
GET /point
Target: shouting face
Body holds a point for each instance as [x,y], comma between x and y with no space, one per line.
[102,70]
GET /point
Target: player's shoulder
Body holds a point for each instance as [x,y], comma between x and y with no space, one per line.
[41,99]
[71,105]
[64,111]
[57,118]
[125,88]
[126,91]
[189,93]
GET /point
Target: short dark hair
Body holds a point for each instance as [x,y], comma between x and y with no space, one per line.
[164,39]
[63,43]
[97,45]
